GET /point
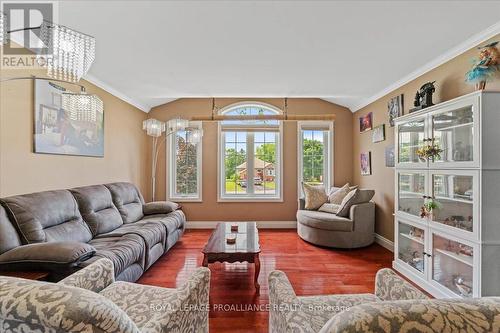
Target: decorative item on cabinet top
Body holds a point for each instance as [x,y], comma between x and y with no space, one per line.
[395,108]
[486,68]
[423,97]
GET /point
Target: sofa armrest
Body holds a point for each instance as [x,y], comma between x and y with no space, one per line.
[52,256]
[433,316]
[193,297]
[95,277]
[159,207]
[285,306]
[391,287]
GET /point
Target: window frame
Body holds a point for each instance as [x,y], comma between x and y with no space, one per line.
[221,195]
[171,168]
[329,161]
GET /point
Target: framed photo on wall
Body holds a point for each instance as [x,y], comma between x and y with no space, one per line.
[58,131]
[366,122]
[378,133]
[389,156]
[366,164]
[395,108]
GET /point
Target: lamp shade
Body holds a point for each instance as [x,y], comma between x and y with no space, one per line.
[153,127]
[178,124]
[82,107]
[69,53]
[195,135]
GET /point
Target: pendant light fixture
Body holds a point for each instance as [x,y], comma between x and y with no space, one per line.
[66,53]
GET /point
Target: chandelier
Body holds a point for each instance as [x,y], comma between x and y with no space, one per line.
[82,106]
[69,53]
[66,53]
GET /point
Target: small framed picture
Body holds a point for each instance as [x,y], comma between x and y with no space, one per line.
[395,108]
[378,133]
[365,122]
[389,156]
[366,164]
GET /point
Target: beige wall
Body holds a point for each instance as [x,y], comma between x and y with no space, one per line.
[22,171]
[210,209]
[450,83]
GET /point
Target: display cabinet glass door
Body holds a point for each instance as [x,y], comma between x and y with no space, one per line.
[453,131]
[411,137]
[454,195]
[411,248]
[452,265]
[411,191]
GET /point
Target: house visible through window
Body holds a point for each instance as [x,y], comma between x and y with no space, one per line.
[315,153]
[184,181]
[250,155]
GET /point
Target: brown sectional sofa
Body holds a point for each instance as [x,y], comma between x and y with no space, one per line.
[65,230]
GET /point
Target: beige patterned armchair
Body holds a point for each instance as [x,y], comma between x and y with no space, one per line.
[90,301]
[396,306]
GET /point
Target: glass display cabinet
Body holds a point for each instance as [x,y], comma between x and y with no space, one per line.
[447,227]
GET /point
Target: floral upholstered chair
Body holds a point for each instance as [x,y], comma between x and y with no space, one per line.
[396,306]
[90,301]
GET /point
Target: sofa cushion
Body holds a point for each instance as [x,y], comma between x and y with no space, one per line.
[9,238]
[97,208]
[50,216]
[325,221]
[151,233]
[315,196]
[172,222]
[350,199]
[123,251]
[329,208]
[51,256]
[364,196]
[335,197]
[128,200]
[159,207]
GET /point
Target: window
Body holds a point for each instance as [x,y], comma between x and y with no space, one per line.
[315,151]
[184,167]
[250,154]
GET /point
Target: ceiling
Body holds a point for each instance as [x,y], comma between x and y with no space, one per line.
[347,52]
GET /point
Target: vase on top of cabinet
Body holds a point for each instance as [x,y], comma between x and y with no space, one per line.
[447,185]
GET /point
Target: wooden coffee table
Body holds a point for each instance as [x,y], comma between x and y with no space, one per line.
[246,247]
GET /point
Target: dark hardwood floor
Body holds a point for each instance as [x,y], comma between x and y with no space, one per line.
[312,271]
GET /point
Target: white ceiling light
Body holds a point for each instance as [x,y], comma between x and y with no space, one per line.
[69,53]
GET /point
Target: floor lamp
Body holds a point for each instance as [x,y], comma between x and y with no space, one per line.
[155,128]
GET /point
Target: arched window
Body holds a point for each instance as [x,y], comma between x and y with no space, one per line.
[250,154]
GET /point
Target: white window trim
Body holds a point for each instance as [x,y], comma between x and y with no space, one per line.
[221,197]
[330,148]
[170,172]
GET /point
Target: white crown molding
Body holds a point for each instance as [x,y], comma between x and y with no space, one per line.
[450,54]
[260,224]
[141,106]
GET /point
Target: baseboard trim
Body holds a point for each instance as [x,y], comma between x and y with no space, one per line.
[384,242]
[260,224]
